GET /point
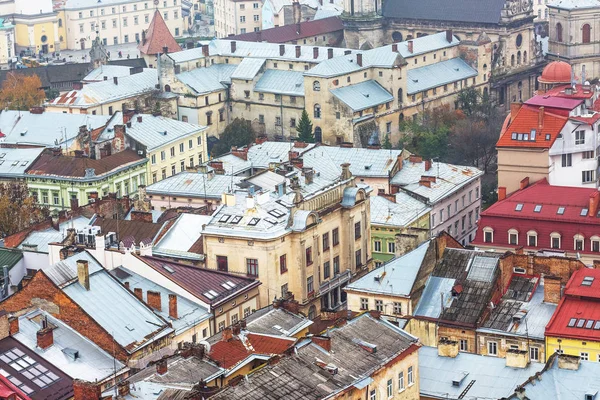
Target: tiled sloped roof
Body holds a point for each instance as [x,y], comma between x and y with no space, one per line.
[229,353]
[291,32]
[468,11]
[527,120]
[577,285]
[576,318]
[157,37]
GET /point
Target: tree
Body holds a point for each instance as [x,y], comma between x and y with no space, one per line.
[305,129]
[238,133]
[21,92]
[51,94]
[468,100]
[386,142]
[18,209]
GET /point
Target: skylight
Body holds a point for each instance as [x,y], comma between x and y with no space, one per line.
[572,322]
[561,211]
[580,323]
[215,294]
[584,212]
[597,325]
[168,269]
[228,285]
[277,213]
[589,324]
[236,219]
[208,295]
[537,208]
[253,221]
[519,207]
[224,218]
[587,281]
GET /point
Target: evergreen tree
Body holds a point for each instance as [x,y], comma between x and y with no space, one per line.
[305,129]
[238,133]
[386,142]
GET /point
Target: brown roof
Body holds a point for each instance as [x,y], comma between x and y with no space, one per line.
[288,33]
[157,37]
[75,167]
[138,230]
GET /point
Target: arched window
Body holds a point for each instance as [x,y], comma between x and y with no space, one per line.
[525,57]
[397,36]
[317,113]
[60,22]
[513,237]
[400,95]
[578,242]
[512,60]
[316,86]
[595,243]
[555,240]
[167,88]
[488,235]
[586,33]
[318,134]
[519,57]
[312,312]
[559,32]
[532,237]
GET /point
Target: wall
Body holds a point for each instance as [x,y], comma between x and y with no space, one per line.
[504,343]
[456,334]
[354,303]
[572,347]
[516,164]
[425,330]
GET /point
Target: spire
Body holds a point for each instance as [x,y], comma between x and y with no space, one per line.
[157,37]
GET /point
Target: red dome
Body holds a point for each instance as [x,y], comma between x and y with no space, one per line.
[556,72]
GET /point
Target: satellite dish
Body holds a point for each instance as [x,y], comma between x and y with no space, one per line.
[205,344]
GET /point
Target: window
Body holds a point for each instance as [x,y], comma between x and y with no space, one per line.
[173,151]
[277,121]
[587,176]
[326,270]
[585,33]
[578,243]
[566,160]
[391,247]
[247,312]
[364,303]
[534,354]
[373,394]
[555,240]
[584,356]
[397,308]
[242,18]
[242,6]
[377,246]
[379,305]
[326,241]
[390,388]
[153,158]
[586,155]
[336,265]
[335,236]
[595,244]
[309,285]
[513,237]
[222,263]
[492,348]
[401,381]
[464,345]
[209,118]
[181,147]
[488,235]
[55,198]
[388,127]
[358,258]
[252,266]
[221,326]
[357,232]
[410,376]
[579,137]
[317,111]
[532,238]
[309,257]
[283,264]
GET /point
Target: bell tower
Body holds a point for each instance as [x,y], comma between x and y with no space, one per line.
[363,24]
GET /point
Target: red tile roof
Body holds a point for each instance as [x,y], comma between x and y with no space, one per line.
[577,283]
[582,311]
[157,37]
[549,101]
[526,120]
[288,33]
[229,353]
[579,93]
[198,281]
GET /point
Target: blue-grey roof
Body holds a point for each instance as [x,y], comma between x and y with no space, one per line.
[438,74]
[42,238]
[157,131]
[468,11]
[181,236]
[403,212]
[363,162]
[281,82]
[430,304]
[490,377]
[210,79]
[572,4]
[194,185]
[248,68]
[14,161]
[362,95]
[396,277]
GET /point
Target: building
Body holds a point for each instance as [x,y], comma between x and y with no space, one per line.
[74,291]
[573,329]
[515,49]
[237,17]
[279,319]
[452,192]
[446,373]
[15,161]
[551,135]
[373,358]
[156,40]
[55,180]
[560,220]
[171,146]
[571,36]
[310,225]
[7,43]
[36,26]
[13,270]
[117,22]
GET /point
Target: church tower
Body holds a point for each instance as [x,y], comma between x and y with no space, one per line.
[363,24]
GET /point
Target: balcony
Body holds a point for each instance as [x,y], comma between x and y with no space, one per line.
[335,282]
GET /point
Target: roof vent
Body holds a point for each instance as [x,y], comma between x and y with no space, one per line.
[370,347]
[24,133]
[591,395]
[71,353]
[518,317]
[458,379]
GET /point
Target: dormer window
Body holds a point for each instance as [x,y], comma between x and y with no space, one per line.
[519,207]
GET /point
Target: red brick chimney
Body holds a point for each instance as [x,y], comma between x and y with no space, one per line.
[138,293]
[241,153]
[123,388]
[395,47]
[153,299]
[205,51]
[449,35]
[410,46]
[322,341]
[226,334]
[83,390]
[173,306]
[141,216]
[501,193]
[298,51]
[389,197]
[427,165]
[415,159]
[524,183]
[13,325]
[594,197]
[541,118]
[161,367]
[359,59]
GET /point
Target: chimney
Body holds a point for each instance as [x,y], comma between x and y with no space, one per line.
[161,367]
[281,49]
[552,289]
[296,12]
[395,47]
[425,182]
[138,293]
[388,197]
[4,325]
[45,336]
[153,300]
[36,110]
[514,109]
[83,390]
[233,46]
[13,325]
[165,50]
[139,118]
[501,193]
[410,46]
[173,306]
[427,165]
[346,174]
[540,119]
[593,207]
[315,52]
[415,159]
[205,51]
[226,334]
[346,52]
[298,51]
[55,222]
[77,85]
[524,183]
[115,80]
[449,35]
[308,175]
[323,342]
[516,358]
[447,348]
[329,53]
[83,274]
[141,216]
[236,329]
[123,388]
[359,59]
[569,362]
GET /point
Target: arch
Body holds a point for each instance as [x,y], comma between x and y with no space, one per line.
[595,243]
[167,88]
[401,118]
[318,134]
[519,57]
[586,31]
[555,240]
[317,111]
[532,238]
[316,86]
[513,237]
[559,32]
[397,36]
[366,46]
[400,95]
[524,56]
[488,234]
[312,312]
[578,242]
[512,60]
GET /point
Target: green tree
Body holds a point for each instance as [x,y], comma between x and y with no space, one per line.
[51,94]
[305,129]
[386,142]
[238,133]
[18,209]
[468,100]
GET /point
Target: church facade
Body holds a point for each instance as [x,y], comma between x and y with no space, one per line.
[513,63]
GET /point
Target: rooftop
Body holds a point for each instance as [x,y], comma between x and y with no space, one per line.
[248,68]
[363,95]
[438,74]
[244,347]
[137,230]
[575,318]
[192,184]
[156,37]
[281,82]
[276,321]
[364,162]
[107,72]
[525,131]
[478,377]
[208,79]
[43,237]
[181,237]
[14,162]
[584,283]
[9,258]
[404,211]
[573,4]
[480,12]
[157,131]
[396,277]
[290,32]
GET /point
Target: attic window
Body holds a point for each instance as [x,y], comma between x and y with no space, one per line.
[253,221]
[277,213]
[597,325]
[208,295]
[537,208]
[587,281]
[519,207]
[236,219]
[561,211]
[532,135]
[228,285]
[514,136]
[168,269]
[224,218]
[589,324]
[580,323]
[584,212]
[572,322]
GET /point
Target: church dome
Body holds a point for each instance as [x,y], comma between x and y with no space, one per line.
[556,72]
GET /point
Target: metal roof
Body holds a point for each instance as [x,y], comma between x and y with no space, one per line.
[181,236]
[484,377]
[281,82]
[14,162]
[438,74]
[572,4]
[107,72]
[71,352]
[248,68]
[396,277]
[157,131]
[41,239]
[436,290]
[65,271]
[190,184]
[467,11]
[9,257]
[276,321]
[405,211]
[363,162]
[361,96]
[209,79]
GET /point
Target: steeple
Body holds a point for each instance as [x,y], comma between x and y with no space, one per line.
[157,37]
